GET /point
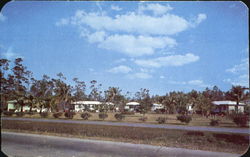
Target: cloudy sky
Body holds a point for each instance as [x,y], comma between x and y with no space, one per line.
[162,46]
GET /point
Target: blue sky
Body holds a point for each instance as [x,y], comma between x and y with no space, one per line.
[161,46]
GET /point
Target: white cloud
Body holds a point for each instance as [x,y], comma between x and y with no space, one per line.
[9,54]
[62,22]
[131,22]
[121,60]
[120,69]
[140,75]
[156,8]
[173,60]
[96,37]
[242,80]
[197,83]
[2,17]
[200,18]
[136,46]
[116,8]
[242,67]
[162,77]
[240,73]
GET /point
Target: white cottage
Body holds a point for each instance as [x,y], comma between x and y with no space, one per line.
[227,106]
[132,106]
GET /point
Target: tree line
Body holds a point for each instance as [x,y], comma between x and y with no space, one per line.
[18,84]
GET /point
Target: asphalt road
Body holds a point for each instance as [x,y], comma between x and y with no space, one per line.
[30,145]
[165,126]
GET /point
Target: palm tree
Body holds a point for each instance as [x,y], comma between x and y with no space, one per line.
[237,94]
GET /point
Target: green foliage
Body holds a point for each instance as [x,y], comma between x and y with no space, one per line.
[20,114]
[85,116]
[8,113]
[161,120]
[119,116]
[143,119]
[103,116]
[184,118]
[69,115]
[57,114]
[214,122]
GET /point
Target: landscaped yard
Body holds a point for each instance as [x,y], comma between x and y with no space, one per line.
[197,120]
[212,141]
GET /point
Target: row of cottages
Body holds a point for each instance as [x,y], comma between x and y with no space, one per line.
[93,106]
[222,106]
[134,106]
[12,106]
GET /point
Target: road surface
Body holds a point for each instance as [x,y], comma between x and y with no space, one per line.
[30,145]
[165,126]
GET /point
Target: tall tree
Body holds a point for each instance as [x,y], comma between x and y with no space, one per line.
[95,93]
[143,97]
[237,93]
[20,80]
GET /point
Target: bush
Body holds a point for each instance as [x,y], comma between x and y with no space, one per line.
[8,113]
[85,116]
[44,114]
[214,122]
[143,119]
[103,116]
[69,115]
[119,116]
[57,114]
[184,118]
[161,120]
[241,120]
[20,114]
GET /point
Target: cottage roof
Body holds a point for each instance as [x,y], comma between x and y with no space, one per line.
[133,103]
[226,102]
[88,102]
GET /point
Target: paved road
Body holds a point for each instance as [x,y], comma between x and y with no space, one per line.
[194,128]
[30,145]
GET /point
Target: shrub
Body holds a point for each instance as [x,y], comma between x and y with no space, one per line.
[161,120]
[143,119]
[44,114]
[103,116]
[57,114]
[214,122]
[119,116]
[8,113]
[85,116]
[69,115]
[241,120]
[184,118]
[20,114]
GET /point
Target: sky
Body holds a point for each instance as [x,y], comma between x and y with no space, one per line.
[161,46]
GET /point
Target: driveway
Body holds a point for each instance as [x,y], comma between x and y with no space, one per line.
[30,145]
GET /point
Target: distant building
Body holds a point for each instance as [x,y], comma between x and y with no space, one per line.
[81,106]
[156,107]
[227,106]
[132,106]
